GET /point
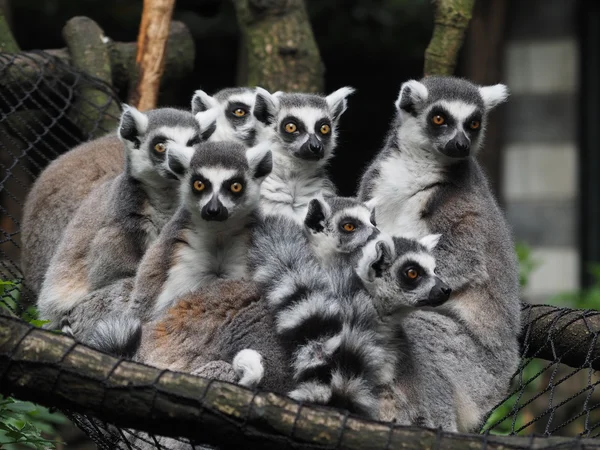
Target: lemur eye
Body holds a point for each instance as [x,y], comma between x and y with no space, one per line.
[325,129]
[199,185]
[411,273]
[239,112]
[438,120]
[349,226]
[475,124]
[290,127]
[160,147]
[236,187]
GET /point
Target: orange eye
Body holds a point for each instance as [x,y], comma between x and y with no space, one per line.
[239,112]
[475,124]
[160,147]
[199,185]
[290,127]
[325,129]
[438,120]
[412,274]
[236,187]
[349,227]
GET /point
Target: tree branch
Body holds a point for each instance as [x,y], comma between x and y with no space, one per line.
[451,20]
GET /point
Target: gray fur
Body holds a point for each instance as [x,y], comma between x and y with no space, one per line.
[418,188]
[110,232]
[300,157]
[196,249]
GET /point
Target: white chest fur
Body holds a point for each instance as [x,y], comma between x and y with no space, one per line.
[400,195]
[205,260]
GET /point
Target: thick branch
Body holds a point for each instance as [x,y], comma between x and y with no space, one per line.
[53,370]
[150,58]
[561,333]
[451,20]
[281,50]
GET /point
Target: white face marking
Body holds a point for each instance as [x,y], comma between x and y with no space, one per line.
[216,176]
[460,111]
[225,131]
[179,135]
[309,117]
[425,260]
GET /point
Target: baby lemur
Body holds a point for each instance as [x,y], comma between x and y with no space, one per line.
[208,237]
[110,232]
[66,182]
[426,180]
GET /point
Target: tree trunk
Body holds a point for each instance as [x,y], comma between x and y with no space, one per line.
[281,50]
[151,47]
[451,21]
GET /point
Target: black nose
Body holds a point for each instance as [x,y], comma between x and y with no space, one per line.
[458,147]
[314,144]
[439,293]
[462,146]
[214,210]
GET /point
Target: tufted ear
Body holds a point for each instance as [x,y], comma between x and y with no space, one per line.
[337,101]
[179,158]
[133,125]
[430,241]
[317,213]
[493,95]
[260,160]
[201,101]
[207,120]
[265,106]
[412,95]
[377,256]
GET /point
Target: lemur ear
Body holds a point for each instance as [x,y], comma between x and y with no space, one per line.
[133,124]
[337,101]
[493,95]
[179,158]
[370,204]
[317,212]
[260,160]
[266,106]
[430,241]
[382,260]
[208,121]
[201,101]
[412,94]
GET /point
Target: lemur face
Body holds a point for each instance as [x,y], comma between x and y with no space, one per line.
[235,120]
[223,179]
[445,117]
[304,125]
[148,135]
[339,225]
[400,272]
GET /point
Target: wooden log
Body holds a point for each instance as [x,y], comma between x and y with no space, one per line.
[53,370]
[151,47]
[280,49]
[451,20]
[93,110]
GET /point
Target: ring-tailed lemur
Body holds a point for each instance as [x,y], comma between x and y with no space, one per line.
[208,238]
[110,232]
[304,136]
[426,180]
[67,181]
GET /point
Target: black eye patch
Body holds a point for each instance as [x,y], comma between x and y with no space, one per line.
[200,185]
[155,156]
[474,123]
[193,141]
[290,128]
[238,111]
[230,187]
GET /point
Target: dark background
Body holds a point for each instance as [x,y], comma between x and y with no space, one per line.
[372,45]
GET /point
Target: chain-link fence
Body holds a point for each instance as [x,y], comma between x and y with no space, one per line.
[46,109]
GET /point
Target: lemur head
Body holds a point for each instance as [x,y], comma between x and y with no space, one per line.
[445,117]
[400,272]
[222,179]
[235,119]
[304,125]
[338,225]
[147,135]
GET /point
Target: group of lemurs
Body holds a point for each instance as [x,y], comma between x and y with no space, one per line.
[211,241]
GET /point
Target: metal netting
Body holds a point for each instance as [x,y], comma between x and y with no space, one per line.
[45,109]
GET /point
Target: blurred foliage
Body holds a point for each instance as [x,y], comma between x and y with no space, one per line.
[588,298]
[24,424]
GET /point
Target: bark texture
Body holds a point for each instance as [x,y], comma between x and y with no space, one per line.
[151,48]
[280,51]
[451,20]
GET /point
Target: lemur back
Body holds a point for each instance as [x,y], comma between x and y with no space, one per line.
[303,133]
[208,237]
[113,227]
[67,181]
[426,180]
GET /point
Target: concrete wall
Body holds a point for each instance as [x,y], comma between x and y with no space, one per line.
[540,158]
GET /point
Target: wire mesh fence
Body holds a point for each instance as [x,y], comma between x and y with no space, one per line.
[46,109]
